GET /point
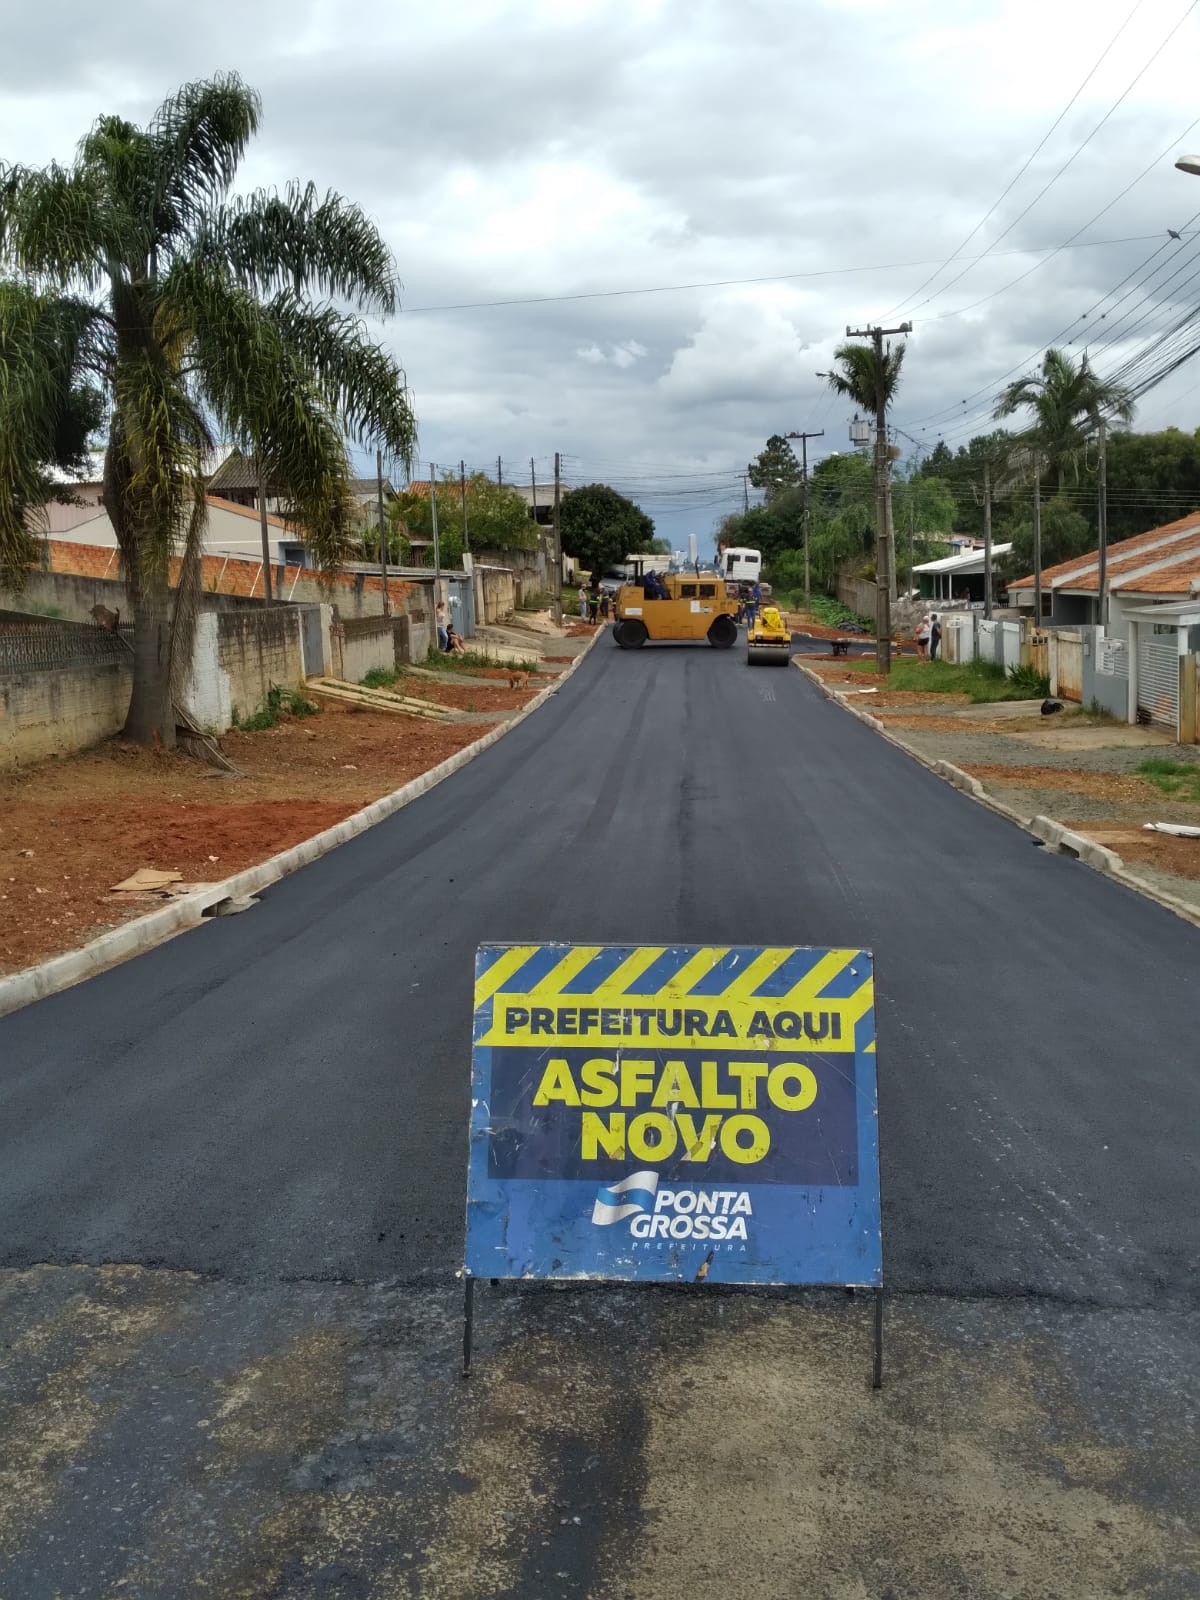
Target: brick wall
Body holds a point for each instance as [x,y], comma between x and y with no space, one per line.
[357,593]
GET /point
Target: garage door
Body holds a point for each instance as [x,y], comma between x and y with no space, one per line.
[1158,682]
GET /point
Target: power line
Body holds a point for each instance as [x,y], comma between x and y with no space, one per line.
[1038,265]
[1021,215]
[1022,170]
[950,414]
[726,283]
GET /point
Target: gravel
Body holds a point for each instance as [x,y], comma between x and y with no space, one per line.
[993,749]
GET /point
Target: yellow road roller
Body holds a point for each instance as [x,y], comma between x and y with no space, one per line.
[768,639]
[676,606]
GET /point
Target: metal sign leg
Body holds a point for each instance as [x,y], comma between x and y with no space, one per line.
[877,1373]
[468,1322]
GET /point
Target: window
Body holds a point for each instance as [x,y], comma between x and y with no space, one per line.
[708,591]
[688,591]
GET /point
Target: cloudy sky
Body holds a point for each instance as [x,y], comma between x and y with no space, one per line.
[548,155]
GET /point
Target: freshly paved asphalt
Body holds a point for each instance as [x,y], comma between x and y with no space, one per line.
[261,1129]
[283,1094]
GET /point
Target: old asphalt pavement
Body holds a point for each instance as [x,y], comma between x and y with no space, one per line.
[231,1198]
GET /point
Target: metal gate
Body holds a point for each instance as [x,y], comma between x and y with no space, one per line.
[462,605]
[311,652]
[1158,682]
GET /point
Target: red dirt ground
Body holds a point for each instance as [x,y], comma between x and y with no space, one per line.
[472,695]
[93,819]
[1147,849]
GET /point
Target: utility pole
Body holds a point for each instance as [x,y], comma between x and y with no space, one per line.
[1102,524]
[745,477]
[437,551]
[462,478]
[499,470]
[804,438]
[383,549]
[883,507]
[262,526]
[1037,549]
[987,540]
[557,589]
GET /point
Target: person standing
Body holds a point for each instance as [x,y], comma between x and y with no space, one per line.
[921,635]
[753,603]
[440,619]
[935,636]
[582,603]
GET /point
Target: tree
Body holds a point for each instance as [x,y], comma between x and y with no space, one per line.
[1065,533]
[863,378]
[870,378]
[497,519]
[923,505]
[775,469]
[600,527]
[47,412]
[1066,403]
[202,313]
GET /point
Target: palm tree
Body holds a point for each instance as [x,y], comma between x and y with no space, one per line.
[1067,403]
[202,314]
[863,374]
[870,377]
[46,412]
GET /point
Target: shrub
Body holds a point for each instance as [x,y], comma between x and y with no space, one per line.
[279,703]
[1034,685]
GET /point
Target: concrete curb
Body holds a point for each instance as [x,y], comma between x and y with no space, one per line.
[1052,834]
[133,938]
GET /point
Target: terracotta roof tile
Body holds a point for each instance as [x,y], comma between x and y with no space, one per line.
[1162,561]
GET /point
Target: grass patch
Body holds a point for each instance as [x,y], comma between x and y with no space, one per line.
[983,681]
[472,660]
[1178,780]
[280,703]
[380,678]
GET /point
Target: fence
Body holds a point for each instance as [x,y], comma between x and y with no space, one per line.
[966,636]
[35,646]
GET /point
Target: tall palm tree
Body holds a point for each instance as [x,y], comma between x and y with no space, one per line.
[870,378]
[863,375]
[1066,403]
[205,315]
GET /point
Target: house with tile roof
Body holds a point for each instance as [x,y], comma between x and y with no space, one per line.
[1155,568]
[1143,665]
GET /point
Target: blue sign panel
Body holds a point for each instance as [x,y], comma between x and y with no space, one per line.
[671,1112]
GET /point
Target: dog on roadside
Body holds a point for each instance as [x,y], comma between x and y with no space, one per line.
[518,680]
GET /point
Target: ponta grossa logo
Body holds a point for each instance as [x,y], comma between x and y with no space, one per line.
[656,1213]
[633,1194]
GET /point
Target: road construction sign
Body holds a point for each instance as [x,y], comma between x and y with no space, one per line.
[674,1113]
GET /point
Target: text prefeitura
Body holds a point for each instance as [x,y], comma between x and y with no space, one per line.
[643,1022]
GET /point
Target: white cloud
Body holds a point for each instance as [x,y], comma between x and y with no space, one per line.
[559,147]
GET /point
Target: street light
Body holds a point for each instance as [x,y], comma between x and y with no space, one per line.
[1189,164]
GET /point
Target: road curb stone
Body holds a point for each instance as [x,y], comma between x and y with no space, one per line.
[1051,833]
[22,988]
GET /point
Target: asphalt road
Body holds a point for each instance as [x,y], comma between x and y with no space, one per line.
[284,1093]
[278,1101]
